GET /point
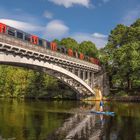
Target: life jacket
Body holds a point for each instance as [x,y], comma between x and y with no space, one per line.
[101,103]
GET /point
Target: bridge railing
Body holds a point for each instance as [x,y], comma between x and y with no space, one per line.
[26,45]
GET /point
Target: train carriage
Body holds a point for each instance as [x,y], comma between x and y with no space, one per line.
[33,39]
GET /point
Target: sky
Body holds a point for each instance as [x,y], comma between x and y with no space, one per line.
[83,20]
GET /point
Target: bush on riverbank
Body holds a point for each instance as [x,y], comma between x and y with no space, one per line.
[18,82]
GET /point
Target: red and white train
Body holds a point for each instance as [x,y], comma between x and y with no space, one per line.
[18,34]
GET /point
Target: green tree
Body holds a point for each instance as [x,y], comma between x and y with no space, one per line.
[88,48]
[121,55]
[129,62]
[70,43]
[116,37]
[136,24]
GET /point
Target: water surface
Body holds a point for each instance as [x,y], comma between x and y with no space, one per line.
[58,120]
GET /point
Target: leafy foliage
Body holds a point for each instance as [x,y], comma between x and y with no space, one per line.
[122,56]
[88,48]
[70,43]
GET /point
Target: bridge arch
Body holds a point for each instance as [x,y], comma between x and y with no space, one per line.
[78,85]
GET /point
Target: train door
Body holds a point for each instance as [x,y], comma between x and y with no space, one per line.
[2,28]
[34,39]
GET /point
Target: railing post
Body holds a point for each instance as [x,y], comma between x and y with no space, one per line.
[88,77]
[79,73]
[73,70]
[84,75]
[92,80]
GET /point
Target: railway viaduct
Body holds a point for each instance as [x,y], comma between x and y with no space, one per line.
[77,74]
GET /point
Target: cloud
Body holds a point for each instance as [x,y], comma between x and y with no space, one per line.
[98,35]
[70,3]
[99,39]
[131,16]
[18,15]
[48,15]
[53,29]
[25,26]
[56,29]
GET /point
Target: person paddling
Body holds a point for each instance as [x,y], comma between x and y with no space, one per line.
[101,105]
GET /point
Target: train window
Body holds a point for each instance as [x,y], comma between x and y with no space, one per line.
[40,42]
[63,50]
[11,32]
[27,38]
[59,48]
[48,45]
[20,35]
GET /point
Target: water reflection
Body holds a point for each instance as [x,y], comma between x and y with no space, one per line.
[27,120]
[81,126]
[125,125]
[57,120]
[31,120]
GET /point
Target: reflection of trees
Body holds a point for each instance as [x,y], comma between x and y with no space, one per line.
[27,120]
[120,129]
[124,125]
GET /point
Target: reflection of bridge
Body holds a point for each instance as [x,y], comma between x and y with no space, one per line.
[81,126]
[77,74]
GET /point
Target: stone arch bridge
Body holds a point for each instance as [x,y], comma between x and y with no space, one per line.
[76,73]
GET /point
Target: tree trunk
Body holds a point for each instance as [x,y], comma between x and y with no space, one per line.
[129,83]
[110,81]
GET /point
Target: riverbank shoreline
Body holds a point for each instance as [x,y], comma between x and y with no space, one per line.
[110,98]
[123,99]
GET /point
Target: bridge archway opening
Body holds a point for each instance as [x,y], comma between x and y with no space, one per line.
[46,71]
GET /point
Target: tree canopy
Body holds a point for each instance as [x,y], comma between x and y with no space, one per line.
[88,48]
[122,56]
[70,43]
